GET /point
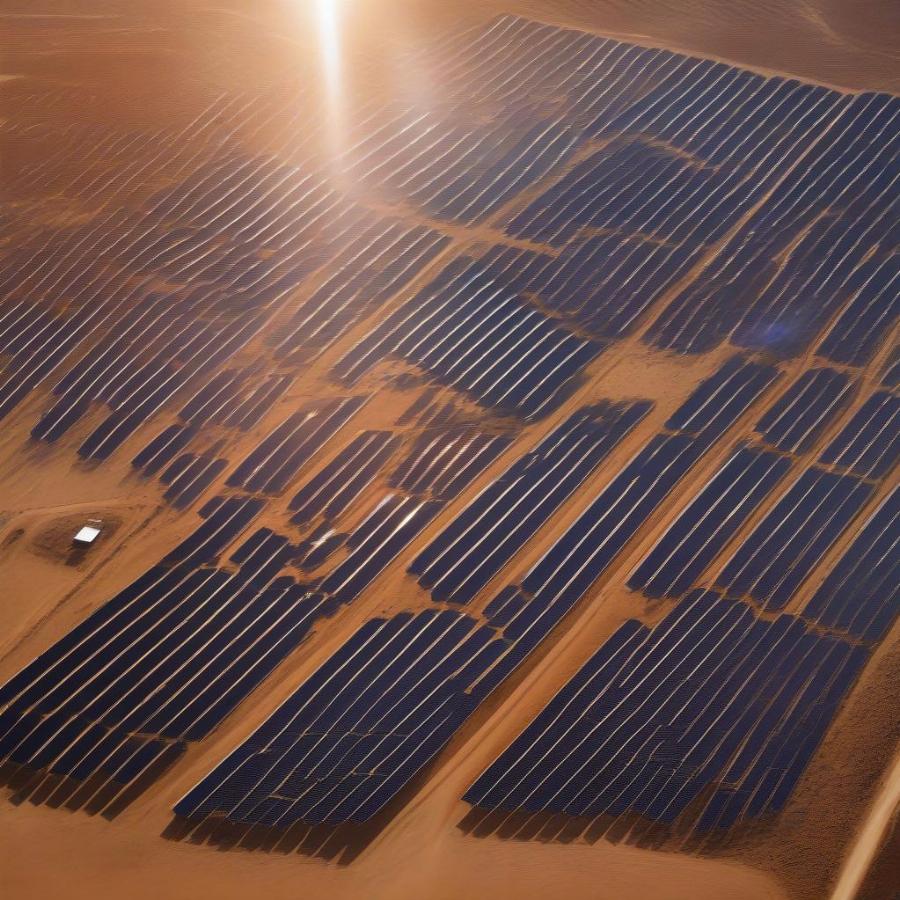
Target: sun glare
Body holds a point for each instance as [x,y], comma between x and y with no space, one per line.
[328,30]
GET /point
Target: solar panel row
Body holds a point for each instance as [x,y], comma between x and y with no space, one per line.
[54,264]
[473,548]
[226,518]
[173,653]
[318,546]
[54,150]
[162,449]
[443,462]
[275,462]
[101,175]
[379,264]
[237,398]
[237,233]
[779,554]
[791,539]
[891,377]
[592,281]
[201,348]
[224,399]
[477,336]
[143,329]
[585,550]
[379,538]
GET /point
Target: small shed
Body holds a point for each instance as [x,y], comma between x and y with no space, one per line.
[88,533]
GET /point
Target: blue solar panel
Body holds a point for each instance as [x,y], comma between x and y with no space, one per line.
[782,550]
[807,407]
[869,444]
[699,533]
[860,594]
[630,191]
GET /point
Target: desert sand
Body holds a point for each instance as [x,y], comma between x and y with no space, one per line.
[151,64]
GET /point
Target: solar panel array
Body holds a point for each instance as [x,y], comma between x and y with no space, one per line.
[805,410]
[782,550]
[233,236]
[379,708]
[869,443]
[340,482]
[98,715]
[585,550]
[160,664]
[861,594]
[691,149]
[477,336]
[445,461]
[840,206]
[712,714]
[189,476]
[488,256]
[358,729]
[709,718]
[274,463]
[699,534]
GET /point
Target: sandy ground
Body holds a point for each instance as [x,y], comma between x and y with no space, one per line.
[149,64]
[877,828]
